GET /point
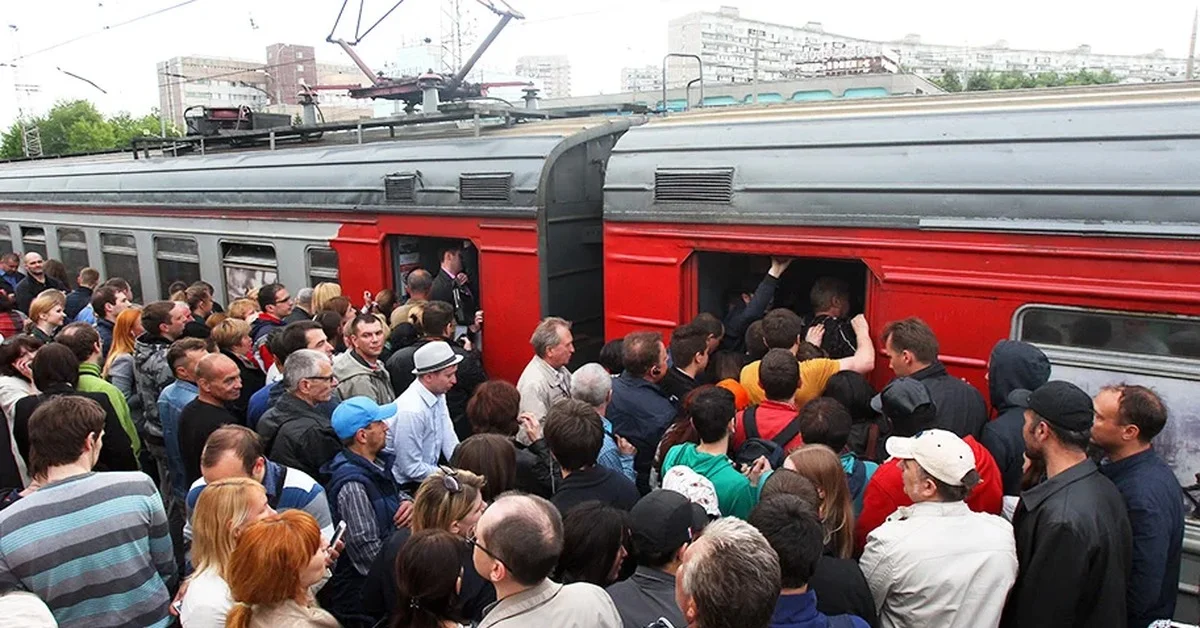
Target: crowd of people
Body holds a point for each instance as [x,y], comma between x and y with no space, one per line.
[299,461]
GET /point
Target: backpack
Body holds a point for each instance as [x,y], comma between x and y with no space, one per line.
[755,446]
[839,340]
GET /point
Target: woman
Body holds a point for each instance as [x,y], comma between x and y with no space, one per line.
[270,571]
[449,500]
[594,540]
[406,331]
[495,409]
[491,456]
[118,368]
[46,315]
[16,383]
[58,270]
[725,368]
[385,302]
[331,324]
[822,466]
[221,514]
[681,431]
[56,372]
[323,292]
[12,320]
[428,579]
[232,337]
[244,309]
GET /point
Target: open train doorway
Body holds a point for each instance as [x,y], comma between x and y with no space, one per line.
[412,252]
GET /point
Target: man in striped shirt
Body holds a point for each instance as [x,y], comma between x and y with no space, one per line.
[94,546]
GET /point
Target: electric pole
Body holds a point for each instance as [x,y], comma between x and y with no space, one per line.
[1191,60]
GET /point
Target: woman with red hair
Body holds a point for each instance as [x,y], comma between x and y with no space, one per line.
[275,562]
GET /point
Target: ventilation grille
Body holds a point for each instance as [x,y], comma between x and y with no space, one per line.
[693,185]
[491,187]
[400,187]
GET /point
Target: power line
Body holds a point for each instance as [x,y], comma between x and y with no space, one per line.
[193,79]
[102,30]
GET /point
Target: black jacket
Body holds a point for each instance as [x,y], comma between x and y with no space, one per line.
[462,298]
[300,436]
[196,328]
[678,384]
[738,320]
[253,379]
[842,589]
[78,299]
[960,407]
[197,422]
[29,288]
[379,589]
[536,469]
[470,375]
[596,483]
[1073,547]
[116,452]
[641,413]
[1013,366]
[298,314]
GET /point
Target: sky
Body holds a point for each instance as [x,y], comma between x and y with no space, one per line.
[85,37]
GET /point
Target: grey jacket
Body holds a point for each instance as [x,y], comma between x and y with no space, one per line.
[300,436]
[152,374]
[356,379]
[578,605]
[645,597]
[120,374]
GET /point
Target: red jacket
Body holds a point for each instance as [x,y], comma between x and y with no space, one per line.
[885,492]
[770,418]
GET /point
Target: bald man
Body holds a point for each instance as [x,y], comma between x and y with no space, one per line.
[35,281]
[220,382]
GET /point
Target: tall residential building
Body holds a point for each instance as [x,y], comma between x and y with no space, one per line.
[644,79]
[552,72]
[289,65]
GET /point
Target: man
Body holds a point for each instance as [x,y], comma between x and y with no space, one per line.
[438,321]
[183,356]
[200,302]
[292,338]
[362,493]
[84,342]
[712,416]
[422,432]
[729,578]
[546,380]
[163,323]
[82,294]
[777,417]
[219,381]
[825,421]
[109,302]
[275,305]
[418,285]
[34,282]
[303,309]
[359,371]
[517,543]
[794,531]
[781,330]
[93,546]
[10,272]
[747,309]
[713,329]
[1012,366]
[1127,420]
[453,286]
[936,563]
[1073,533]
[298,432]
[830,300]
[234,451]
[574,434]
[689,356]
[88,313]
[912,351]
[664,523]
[640,411]
[592,384]
[908,406]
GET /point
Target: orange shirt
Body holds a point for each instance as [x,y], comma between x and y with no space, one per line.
[814,374]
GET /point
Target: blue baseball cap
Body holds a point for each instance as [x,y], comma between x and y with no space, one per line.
[356,413]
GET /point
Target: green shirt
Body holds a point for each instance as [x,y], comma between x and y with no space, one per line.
[735,495]
[90,381]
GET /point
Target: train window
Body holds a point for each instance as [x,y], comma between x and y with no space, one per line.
[6,243]
[33,240]
[322,265]
[120,254]
[246,267]
[178,260]
[1124,332]
[72,247]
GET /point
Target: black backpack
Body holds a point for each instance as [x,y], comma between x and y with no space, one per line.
[755,446]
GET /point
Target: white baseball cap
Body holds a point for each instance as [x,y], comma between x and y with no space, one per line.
[941,454]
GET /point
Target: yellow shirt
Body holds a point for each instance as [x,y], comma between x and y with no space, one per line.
[814,374]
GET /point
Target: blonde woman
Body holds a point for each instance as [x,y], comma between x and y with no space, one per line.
[824,468]
[46,315]
[322,293]
[222,513]
[244,309]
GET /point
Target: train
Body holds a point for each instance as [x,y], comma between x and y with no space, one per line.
[1064,217]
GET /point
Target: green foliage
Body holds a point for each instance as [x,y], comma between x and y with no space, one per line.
[76,126]
[949,81]
[984,81]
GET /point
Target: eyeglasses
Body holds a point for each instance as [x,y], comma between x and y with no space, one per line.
[473,541]
[324,378]
[282,301]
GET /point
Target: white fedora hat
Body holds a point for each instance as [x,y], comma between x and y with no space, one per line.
[434,357]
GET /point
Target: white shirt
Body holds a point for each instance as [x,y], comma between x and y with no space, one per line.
[940,564]
[419,432]
[206,602]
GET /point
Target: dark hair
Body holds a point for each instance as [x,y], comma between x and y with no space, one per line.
[640,353]
[292,338]
[58,270]
[712,410]
[612,356]
[682,430]
[922,417]
[268,295]
[12,349]
[574,434]
[808,351]
[493,408]
[709,324]
[725,365]
[103,296]
[80,338]
[363,319]
[438,315]
[419,280]
[491,456]
[1140,406]
[330,322]
[242,441]
[154,316]
[427,571]
[788,482]
[825,290]
[180,348]
[120,284]
[386,300]
[196,296]
[7,302]
[913,335]
[781,329]
[686,342]
[443,251]
[756,346]
[59,428]
[779,375]
[529,540]
[1073,439]
[854,392]
[825,422]
[176,286]
[593,534]
[795,533]
[55,365]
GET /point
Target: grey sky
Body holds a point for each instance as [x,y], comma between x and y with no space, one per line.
[599,36]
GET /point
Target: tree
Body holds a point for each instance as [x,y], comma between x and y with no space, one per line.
[77,127]
[12,146]
[981,82]
[949,81]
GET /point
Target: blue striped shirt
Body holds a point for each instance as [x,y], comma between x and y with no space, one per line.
[94,547]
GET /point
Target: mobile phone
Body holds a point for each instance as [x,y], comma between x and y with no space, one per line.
[178,606]
[337,534]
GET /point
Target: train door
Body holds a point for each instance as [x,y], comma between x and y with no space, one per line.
[412,252]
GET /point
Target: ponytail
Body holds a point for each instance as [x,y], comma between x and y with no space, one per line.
[239,616]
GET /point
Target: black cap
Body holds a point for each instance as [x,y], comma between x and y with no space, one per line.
[901,397]
[1061,403]
[663,521]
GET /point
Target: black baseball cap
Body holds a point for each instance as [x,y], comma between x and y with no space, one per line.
[663,521]
[1061,403]
[901,397]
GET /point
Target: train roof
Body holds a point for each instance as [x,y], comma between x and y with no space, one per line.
[452,167]
[1107,159]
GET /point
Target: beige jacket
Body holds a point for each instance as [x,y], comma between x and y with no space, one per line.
[549,604]
[289,614]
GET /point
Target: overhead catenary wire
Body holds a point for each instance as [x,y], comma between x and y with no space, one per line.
[104,29]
